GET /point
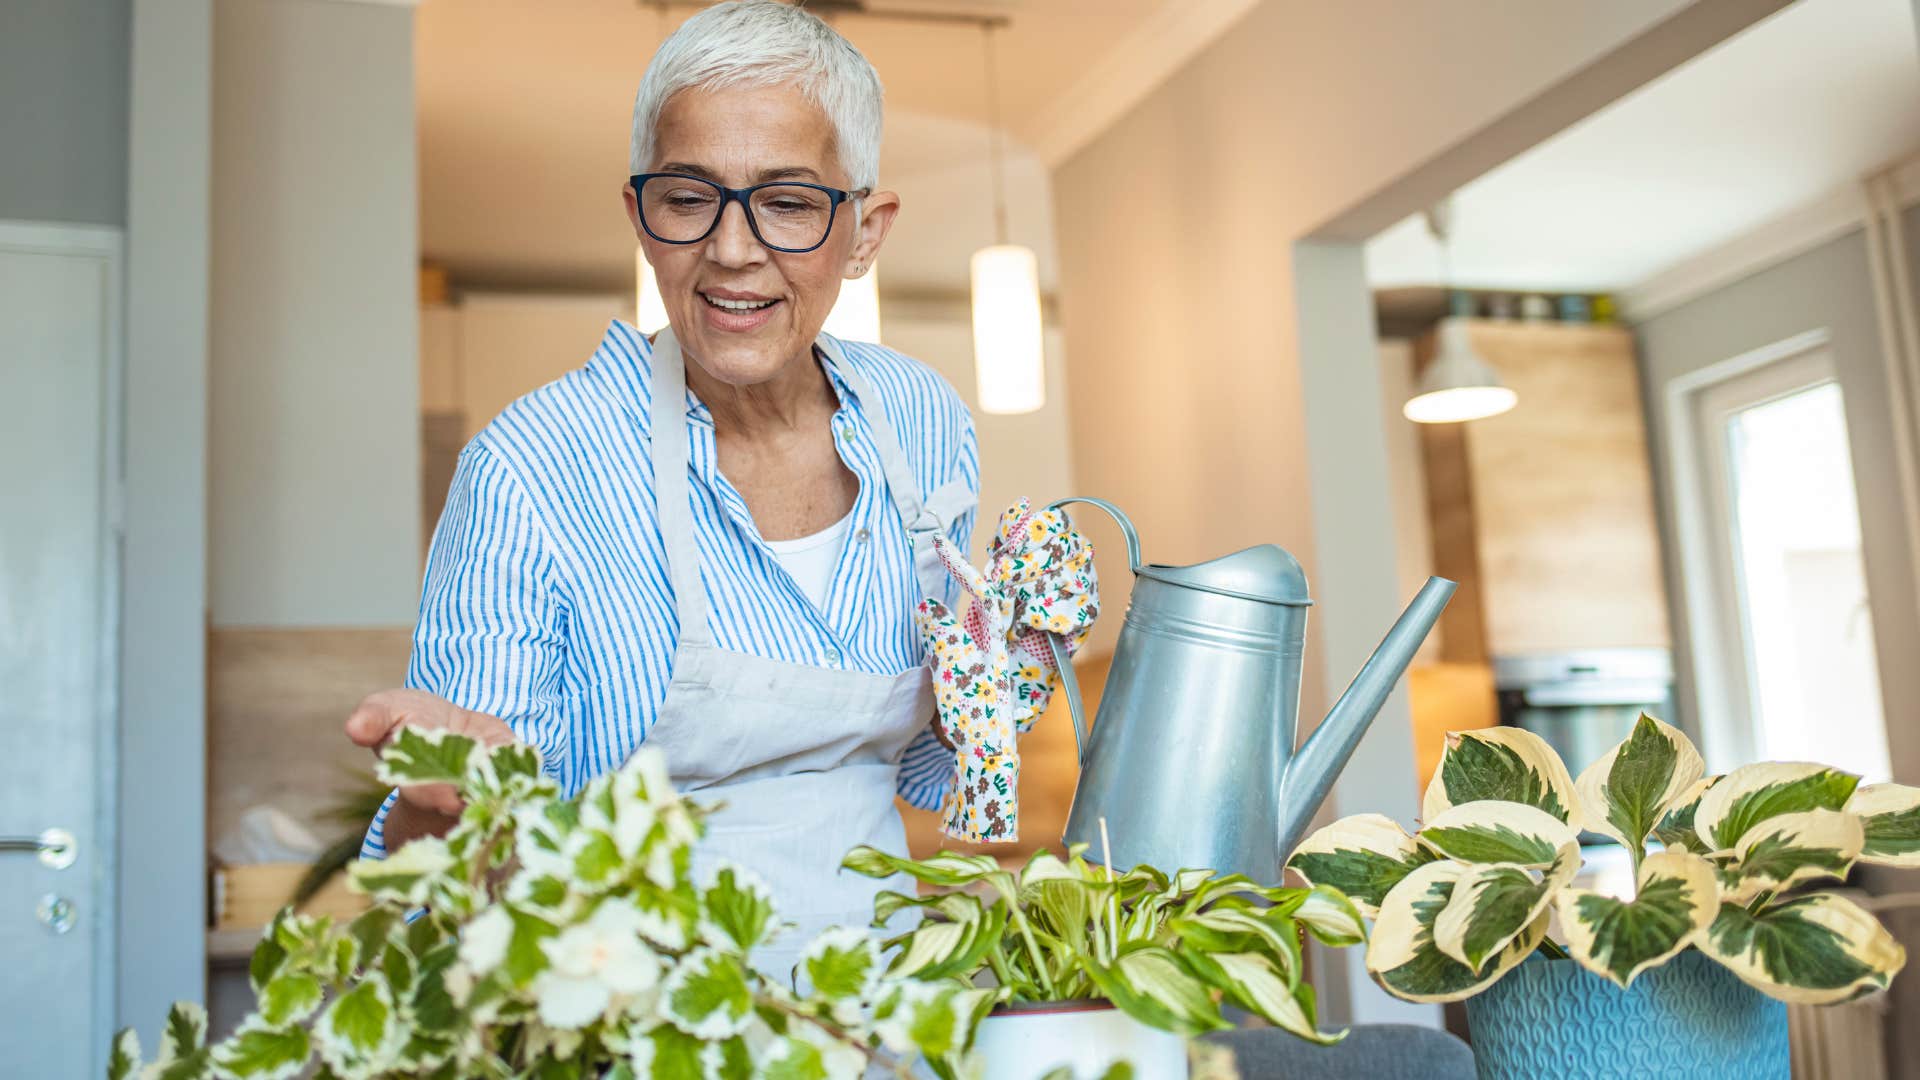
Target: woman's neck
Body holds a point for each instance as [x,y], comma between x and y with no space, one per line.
[794,398]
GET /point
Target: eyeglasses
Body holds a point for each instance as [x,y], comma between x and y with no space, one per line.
[784,216]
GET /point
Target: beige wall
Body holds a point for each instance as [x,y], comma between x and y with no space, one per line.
[314,431]
[1175,229]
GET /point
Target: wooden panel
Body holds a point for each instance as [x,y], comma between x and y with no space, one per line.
[1456,549]
[1563,494]
[513,343]
[276,703]
[1447,697]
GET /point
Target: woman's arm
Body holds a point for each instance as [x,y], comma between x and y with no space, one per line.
[489,648]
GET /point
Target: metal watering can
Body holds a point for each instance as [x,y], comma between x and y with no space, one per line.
[1193,761]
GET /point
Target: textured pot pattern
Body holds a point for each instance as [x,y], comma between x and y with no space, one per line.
[1689,1018]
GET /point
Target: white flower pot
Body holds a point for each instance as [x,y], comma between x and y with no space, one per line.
[1025,1042]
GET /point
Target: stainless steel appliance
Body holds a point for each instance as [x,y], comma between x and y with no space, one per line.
[1585,701]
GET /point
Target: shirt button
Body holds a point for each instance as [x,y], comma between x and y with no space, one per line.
[833,656]
[862,536]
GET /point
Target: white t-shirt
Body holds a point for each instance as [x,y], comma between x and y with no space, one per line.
[811,559]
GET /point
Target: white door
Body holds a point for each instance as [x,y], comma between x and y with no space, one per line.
[1792,612]
[59,329]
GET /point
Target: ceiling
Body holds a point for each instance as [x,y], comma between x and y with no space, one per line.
[1776,118]
[524,108]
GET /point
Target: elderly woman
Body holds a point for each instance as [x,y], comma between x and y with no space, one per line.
[713,542]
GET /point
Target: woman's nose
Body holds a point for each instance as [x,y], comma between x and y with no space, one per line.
[733,242]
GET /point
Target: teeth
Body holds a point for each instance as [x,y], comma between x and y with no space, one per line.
[736,305]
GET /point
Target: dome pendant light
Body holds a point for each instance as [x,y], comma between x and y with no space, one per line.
[1008,361]
[1458,384]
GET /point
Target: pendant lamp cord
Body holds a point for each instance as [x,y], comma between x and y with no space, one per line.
[993,136]
[1440,224]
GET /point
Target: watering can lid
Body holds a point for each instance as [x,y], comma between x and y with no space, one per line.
[1265,573]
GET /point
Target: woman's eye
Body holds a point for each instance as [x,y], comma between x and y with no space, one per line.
[787,206]
[688,200]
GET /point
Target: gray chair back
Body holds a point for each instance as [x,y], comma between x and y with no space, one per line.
[1369,1052]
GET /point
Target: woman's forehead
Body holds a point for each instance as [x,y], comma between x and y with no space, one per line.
[747,134]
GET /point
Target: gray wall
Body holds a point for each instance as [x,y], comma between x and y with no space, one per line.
[63,110]
[1831,288]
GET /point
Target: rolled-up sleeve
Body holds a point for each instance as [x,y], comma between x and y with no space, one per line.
[491,635]
[928,770]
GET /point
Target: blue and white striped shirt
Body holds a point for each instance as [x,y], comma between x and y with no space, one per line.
[547,601]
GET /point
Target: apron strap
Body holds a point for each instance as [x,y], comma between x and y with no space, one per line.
[673,493]
[923,520]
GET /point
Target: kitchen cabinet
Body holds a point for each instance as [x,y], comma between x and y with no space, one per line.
[1545,514]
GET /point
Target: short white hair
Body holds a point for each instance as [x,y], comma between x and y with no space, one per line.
[766,43]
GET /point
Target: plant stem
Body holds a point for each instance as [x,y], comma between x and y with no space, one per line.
[999,965]
[897,1066]
[1033,949]
[1760,902]
[1552,951]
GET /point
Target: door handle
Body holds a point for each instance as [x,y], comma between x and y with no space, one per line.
[54,847]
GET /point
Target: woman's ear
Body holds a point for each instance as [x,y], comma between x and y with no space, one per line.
[632,200]
[876,219]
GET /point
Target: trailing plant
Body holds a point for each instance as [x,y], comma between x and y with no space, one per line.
[1169,950]
[550,937]
[1719,864]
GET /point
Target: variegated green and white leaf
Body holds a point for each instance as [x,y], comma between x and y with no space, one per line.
[1403,956]
[1815,950]
[1674,902]
[1781,852]
[1505,763]
[707,995]
[360,1032]
[1491,831]
[739,910]
[427,756]
[1150,984]
[1676,826]
[1363,856]
[264,1052]
[1890,819]
[931,1018]
[947,869]
[1331,917]
[185,1032]
[842,963]
[1256,985]
[406,876]
[1626,793]
[1753,793]
[1493,903]
[124,1056]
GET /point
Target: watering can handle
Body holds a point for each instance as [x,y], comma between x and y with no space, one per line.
[1057,644]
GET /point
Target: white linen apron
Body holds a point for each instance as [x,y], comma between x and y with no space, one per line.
[805,758]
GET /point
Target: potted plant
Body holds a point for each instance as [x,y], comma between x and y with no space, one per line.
[547,938]
[1691,973]
[1089,968]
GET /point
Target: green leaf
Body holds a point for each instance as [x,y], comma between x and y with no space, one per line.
[267,958]
[272,1053]
[360,1032]
[1504,764]
[525,958]
[405,876]
[1675,901]
[1491,905]
[420,756]
[1330,917]
[1493,831]
[842,963]
[946,869]
[1150,984]
[1890,819]
[1781,852]
[1753,793]
[598,861]
[707,995]
[739,910]
[289,998]
[1402,955]
[1256,985]
[432,1007]
[1812,951]
[124,1057]
[1626,793]
[1362,856]
[1676,829]
[184,1032]
[666,1053]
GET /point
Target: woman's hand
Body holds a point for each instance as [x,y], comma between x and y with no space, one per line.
[422,808]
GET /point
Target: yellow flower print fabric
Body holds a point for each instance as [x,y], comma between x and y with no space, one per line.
[992,671]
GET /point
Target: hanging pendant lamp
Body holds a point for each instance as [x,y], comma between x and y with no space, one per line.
[1009,362]
[1458,384]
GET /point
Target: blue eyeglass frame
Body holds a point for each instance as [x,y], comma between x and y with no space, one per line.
[741,195]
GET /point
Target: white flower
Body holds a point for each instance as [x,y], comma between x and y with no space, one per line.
[483,941]
[592,963]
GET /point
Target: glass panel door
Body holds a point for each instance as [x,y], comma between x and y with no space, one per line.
[1789,532]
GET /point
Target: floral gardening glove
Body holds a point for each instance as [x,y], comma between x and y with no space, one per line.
[992,669]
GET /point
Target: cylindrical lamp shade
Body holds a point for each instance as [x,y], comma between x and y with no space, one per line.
[650,312]
[856,314]
[1007,356]
[1458,385]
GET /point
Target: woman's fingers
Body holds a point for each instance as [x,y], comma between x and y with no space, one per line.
[374,721]
[438,798]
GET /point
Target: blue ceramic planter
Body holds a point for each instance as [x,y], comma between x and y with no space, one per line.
[1689,1018]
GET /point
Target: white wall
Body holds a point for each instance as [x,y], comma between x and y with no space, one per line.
[315,437]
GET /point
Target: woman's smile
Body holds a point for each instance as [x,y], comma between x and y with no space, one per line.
[731,311]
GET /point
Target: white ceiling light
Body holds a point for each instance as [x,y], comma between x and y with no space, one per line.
[1009,365]
[855,315]
[1457,384]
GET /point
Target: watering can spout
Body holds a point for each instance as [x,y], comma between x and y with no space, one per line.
[1306,778]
